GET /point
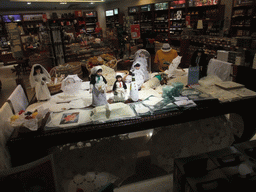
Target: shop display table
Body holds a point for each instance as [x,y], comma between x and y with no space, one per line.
[34,144]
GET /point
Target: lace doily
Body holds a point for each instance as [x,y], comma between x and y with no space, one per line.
[187,139]
[90,182]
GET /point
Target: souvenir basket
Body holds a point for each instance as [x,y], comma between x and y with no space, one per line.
[104,59]
[70,68]
[54,88]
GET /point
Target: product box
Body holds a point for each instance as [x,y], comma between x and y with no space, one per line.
[237,167]
[231,168]
[192,173]
[247,148]
[222,55]
[78,14]
[232,56]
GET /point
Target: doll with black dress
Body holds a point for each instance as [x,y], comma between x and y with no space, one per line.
[119,89]
[98,85]
[199,59]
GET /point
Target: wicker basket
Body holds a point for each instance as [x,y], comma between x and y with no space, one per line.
[112,64]
[70,68]
[54,88]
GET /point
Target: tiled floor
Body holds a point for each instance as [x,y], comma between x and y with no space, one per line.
[8,80]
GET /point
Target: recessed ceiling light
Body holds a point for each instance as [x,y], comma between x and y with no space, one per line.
[29,3]
[92,3]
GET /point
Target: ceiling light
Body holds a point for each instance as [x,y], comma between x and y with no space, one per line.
[91,2]
[63,3]
[29,3]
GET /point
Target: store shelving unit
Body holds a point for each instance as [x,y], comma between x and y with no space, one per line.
[112,18]
[168,18]
[91,20]
[146,18]
[243,17]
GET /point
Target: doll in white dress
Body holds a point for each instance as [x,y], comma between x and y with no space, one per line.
[98,85]
[119,89]
[39,77]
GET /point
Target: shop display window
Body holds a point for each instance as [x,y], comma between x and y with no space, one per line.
[116,11]
[198,3]
[32,17]
[110,13]
[91,14]
[161,6]
[133,9]
[146,8]
[242,2]
[177,4]
[8,18]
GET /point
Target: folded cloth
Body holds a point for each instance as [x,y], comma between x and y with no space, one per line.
[5,128]
[18,99]
[221,69]
[5,132]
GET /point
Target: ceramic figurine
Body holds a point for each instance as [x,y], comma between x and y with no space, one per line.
[119,89]
[39,77]
[134,91]
[139,75]
[98,86]
[199,58]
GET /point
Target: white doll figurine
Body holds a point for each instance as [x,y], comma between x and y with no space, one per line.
[139,75]
[97,87]
[119,89]
[39,77]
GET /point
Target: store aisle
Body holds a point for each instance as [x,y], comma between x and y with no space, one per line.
[9,83]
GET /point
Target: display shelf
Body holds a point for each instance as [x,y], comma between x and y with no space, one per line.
[203,3]
[168,18]
[91,20]
[242,18]
[113,18]
[176,21]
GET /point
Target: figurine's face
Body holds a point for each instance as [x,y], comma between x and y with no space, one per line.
[119,79]
[99,73]
[199,54]
[137,68]
[38,71]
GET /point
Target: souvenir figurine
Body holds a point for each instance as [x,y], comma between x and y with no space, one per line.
[139,75]
[39,77]
[119,89]
[134,91]
[199,58]
[98,86]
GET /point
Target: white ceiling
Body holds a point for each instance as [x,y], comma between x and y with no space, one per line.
[7,6]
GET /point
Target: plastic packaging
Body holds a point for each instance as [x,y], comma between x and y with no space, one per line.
[178,88]
[140,109]
[160,105]
[172,91]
